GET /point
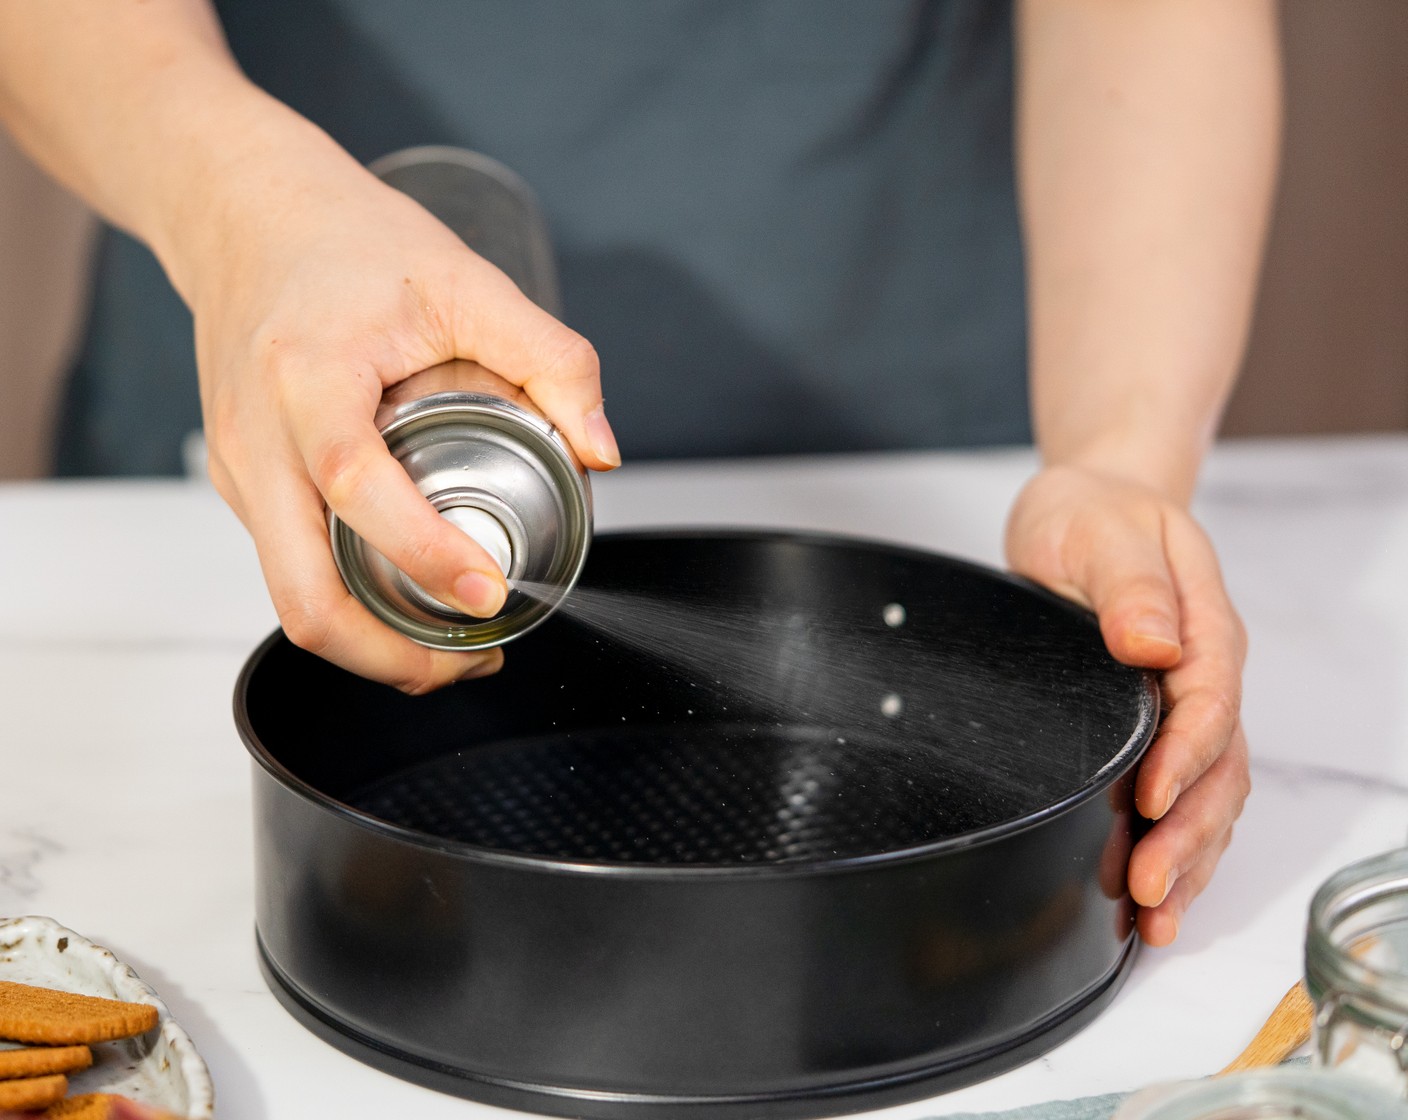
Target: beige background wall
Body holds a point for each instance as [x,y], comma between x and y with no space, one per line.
[44,240]
[1329,349]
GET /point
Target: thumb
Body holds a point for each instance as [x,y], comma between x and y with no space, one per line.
[1124,573]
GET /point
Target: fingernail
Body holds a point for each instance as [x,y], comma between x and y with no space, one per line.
[479,594]
[1173,792]
[603,440]
[1169,880]
[1155,627]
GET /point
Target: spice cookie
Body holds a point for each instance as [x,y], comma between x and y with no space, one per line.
[103,1106]
[48,1017]
[36,1061]
[21,1094]
[90,1106]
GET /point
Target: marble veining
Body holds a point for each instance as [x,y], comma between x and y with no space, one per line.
[21,853]
[1310,775]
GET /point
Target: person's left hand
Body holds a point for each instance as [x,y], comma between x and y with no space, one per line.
[1148,570]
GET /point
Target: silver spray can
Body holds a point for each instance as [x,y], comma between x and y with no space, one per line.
[473,443]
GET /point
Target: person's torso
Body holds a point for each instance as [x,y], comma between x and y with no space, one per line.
[786,225]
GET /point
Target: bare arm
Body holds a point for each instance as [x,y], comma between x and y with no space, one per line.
[1147,141]
[136,107]
[313,288]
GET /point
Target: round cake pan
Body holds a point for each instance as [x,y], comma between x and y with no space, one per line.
[760,825]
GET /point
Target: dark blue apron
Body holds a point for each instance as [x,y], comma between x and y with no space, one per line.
[786,225]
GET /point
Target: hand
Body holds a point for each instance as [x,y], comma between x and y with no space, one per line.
[319,290]
[1149,572]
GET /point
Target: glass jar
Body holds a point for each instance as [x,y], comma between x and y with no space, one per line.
[1356,970]
[1280,1093]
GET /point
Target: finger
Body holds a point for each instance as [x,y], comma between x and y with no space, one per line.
[504,330]
[320,615]
[1159,925]
[1122,568]
[1204,692]
[224,484]
[347,460]
[1197,824]
[123,1109]
[1209,619]
[1200,725]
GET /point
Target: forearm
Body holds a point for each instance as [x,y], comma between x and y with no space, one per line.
[1147,137]
[140,110]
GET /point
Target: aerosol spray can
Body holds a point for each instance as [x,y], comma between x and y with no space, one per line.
[474,444]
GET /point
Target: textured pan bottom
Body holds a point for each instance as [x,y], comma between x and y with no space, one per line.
[706,793]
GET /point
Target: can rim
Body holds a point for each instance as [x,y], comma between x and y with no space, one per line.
[521,613]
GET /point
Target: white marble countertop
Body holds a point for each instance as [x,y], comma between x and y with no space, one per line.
[128,608]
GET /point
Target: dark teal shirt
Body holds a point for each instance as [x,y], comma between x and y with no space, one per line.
[786,225]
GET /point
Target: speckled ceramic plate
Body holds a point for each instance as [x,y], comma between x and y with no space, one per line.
[160,1067]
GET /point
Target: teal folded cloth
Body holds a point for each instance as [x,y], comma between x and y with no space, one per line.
[1086,1108]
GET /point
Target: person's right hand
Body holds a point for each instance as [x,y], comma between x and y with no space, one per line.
[314,288]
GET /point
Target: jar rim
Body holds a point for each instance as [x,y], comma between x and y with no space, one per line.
[1332,964]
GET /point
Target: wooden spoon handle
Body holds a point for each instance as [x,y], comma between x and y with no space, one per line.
[1285,1031]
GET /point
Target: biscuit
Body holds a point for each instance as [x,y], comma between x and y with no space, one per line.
[101,1106]
[48,1017]
[21,1094]
[90,1106]
[35,1061]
